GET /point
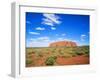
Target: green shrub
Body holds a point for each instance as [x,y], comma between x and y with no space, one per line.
[31,53]
[61,52]
[29,56]
[79,53]
[29,61]
[50,60]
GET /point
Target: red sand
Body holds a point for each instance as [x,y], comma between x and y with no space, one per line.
[61,60]
[72,60]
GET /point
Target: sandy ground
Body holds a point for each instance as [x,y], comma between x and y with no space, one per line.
[62,61]
[73,60]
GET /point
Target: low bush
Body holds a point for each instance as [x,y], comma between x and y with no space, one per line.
[79,53]
[29,61]
[50,60]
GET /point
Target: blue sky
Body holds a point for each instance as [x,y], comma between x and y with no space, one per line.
[44,28]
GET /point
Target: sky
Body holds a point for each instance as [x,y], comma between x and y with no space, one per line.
[45,28]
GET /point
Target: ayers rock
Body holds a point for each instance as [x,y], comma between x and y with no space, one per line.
[63,44]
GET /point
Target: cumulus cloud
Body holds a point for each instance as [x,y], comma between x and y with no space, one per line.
[34,33]
[57,34]
[40,28]
[51,19]
[60,38]
[47,21]
[53,28]
[39,42]
[44,38]
[28,22]
[63,34]
[44,41]
[83,37]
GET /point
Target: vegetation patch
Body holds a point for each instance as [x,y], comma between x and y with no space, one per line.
[50,54]
[50,60]
[29,61]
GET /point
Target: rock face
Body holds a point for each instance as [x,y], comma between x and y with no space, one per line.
[63,44]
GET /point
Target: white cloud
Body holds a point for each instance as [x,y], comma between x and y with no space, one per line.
[40,28]
[60,39]
[83,37]
[33,39]
[63,39]
[39,42]
[56,34]
[44,41]
[53,28]
[34,33]
[28,22]
[47,21]
[54,18]
[63,34]
[43,38]
[51,19]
